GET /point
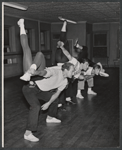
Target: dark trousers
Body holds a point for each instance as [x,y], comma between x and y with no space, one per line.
[71,91]
[62,98]
[63,38]
[60,56]
[32,95]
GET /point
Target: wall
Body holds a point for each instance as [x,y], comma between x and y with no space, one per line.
[89,39]
[17,68]
[12,21]
[111,28]
[113,42]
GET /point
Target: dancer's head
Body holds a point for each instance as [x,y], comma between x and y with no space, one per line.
[84,64]
[68,69]
[97,69]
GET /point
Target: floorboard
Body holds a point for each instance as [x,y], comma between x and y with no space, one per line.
[93,122]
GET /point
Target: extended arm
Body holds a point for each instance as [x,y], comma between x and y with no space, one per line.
[66,53]
[53,98]
[102,70]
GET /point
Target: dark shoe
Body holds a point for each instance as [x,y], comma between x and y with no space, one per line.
[63,108]
[70,102]
[74,100]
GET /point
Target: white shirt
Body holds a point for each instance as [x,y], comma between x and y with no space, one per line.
[89,71]
[54,79]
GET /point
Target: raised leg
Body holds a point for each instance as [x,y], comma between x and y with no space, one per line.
[27,56]
[63,35]
[39,60]
[28,65]
[60,57]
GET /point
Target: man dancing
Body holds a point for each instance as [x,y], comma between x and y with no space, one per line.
[48,89]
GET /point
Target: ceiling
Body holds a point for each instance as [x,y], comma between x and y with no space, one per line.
[92,12]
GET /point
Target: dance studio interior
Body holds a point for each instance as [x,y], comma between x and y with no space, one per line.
[94,120]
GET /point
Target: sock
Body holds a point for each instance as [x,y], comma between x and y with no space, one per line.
[27,132]
[33,66]
[49,117]
[89,89]
[22,29]
[64,27]
[78,92]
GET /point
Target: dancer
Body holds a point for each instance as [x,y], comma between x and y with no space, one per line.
[61,58]
[94,69]
[72,90]
[29,66]
[59,55]
[48,89]
[88,76]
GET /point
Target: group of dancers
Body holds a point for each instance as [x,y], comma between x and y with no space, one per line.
[55,85]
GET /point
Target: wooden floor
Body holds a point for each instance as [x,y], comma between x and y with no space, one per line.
[92,122]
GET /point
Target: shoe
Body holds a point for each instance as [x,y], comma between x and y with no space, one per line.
[68,99]
[26,77]
[71,102]
[53,120]
[63,108]
[59,105]
[76,42]
[31,138]
[79,96]
[20,22]
[91,92]
[70,21]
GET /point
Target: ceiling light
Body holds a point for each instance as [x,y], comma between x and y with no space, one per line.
[15,5]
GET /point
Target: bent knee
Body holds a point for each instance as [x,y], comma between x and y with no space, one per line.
[40,54]
[25,89]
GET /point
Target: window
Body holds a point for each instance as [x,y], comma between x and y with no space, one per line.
[100,44]
[6,40]
[9,39]
[100,39]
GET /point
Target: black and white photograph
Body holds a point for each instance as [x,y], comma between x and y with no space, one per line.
[61,74]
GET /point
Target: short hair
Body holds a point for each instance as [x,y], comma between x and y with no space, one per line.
[83,60]
[67,66]
[96,66]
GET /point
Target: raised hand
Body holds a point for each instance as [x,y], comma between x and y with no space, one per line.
[60,44]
